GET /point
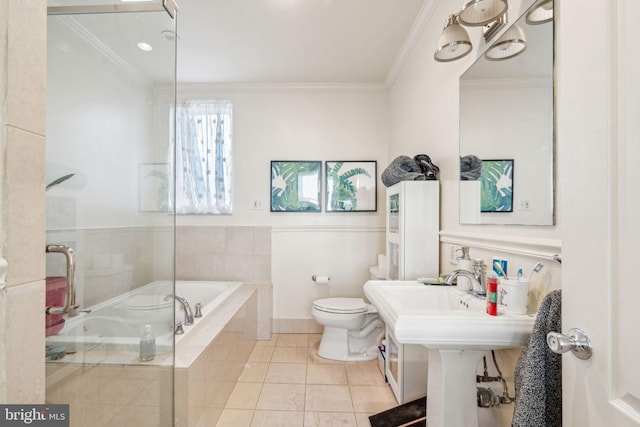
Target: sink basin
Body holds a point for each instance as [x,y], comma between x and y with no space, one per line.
[457,332]
[444,317]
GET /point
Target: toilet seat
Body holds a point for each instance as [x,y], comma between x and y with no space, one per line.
[341,305]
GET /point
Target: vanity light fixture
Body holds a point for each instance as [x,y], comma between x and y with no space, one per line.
[477,13]
[510,44]
[540,13]
[453,43]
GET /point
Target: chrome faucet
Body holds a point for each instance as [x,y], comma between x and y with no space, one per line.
[188,314]
[477,277]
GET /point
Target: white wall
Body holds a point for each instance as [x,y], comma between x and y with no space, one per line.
[286,122]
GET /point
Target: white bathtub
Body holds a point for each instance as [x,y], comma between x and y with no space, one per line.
[119,322]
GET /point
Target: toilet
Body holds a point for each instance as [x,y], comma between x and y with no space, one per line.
[352,329]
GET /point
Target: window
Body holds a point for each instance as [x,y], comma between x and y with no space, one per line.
[203,157]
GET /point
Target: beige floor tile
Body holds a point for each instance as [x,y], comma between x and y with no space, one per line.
[362,419]
[314,340]
[329,419]
[268,343]
[261,354]
[209,417]
[235,418]
[286,373]
[364,374]
[244,396]
[289,355]
[254,372]
[367,398]
[313,357]
[328,398]
[282,397]
[293,340]
[278,418]
[326,374]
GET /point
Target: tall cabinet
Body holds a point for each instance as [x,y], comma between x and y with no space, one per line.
[413,230]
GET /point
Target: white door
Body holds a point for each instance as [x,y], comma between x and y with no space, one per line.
[598,75]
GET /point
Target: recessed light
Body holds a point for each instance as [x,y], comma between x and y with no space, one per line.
[145,46]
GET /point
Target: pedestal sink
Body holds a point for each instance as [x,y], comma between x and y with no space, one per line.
[457,332]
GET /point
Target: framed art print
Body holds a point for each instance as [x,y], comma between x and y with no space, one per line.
[296,186]
[350,186]
[496,186]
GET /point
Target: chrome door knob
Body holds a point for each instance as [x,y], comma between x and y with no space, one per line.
[577,342]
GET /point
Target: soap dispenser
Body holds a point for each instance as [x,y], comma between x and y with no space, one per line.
[464,263]
[147,345]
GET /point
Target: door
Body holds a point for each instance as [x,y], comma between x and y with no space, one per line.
[598,96]
[109,199]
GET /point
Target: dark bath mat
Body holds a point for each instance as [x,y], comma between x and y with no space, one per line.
[411,414]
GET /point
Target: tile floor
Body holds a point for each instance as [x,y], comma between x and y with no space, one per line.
[286,384]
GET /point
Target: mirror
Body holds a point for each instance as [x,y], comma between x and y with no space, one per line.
[507,133]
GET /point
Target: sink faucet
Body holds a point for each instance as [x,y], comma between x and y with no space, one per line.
[477,277]
[188,314]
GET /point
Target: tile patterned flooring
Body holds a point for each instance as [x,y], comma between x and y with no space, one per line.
[286,384]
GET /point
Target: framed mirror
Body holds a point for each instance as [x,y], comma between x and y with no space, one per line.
[507,145]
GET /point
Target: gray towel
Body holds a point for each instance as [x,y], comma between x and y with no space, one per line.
[470,168]
[538,376]
[402,168]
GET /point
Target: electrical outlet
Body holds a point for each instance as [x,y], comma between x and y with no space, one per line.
[257,205]
[525,205]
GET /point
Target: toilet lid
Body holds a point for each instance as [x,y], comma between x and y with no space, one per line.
[341,305]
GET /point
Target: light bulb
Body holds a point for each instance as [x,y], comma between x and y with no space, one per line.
[482,6]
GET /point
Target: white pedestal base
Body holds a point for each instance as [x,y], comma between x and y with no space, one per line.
[451,388]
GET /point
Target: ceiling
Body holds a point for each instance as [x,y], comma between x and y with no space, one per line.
[292,41]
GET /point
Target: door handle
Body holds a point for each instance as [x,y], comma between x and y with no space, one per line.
[577,342]
[70,302]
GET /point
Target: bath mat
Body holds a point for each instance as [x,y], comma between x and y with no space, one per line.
[410,414]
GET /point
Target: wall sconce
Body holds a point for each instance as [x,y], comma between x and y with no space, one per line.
[510,44]
[454,42]
[540,13]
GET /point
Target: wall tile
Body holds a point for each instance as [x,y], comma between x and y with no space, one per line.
[240,240]
[24,206]
[25,368]
[262,241]
[27,65]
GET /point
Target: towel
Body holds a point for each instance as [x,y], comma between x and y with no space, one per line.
[538,376]
[430,171]
[402,168]
[470,168]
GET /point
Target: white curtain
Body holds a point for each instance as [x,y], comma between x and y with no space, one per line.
[203,157]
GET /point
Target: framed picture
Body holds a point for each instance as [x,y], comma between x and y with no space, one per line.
[496,186]
[153,187]
[296,186]
[351,186]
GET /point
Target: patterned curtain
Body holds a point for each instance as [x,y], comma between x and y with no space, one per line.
[203,157]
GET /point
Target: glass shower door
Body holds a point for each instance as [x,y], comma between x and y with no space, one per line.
[110,126]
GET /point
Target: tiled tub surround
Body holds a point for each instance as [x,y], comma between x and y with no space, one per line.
[209,359]
[223,253]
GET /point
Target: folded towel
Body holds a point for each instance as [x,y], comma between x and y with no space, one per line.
[427,167]
[538,376]
[402,168]
[470,168]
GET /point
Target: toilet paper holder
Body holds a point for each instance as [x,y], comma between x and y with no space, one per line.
[320,279]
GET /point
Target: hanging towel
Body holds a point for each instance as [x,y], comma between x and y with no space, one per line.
[538,376]
[402,168]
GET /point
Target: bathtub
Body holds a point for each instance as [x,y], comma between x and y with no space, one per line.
[119,322]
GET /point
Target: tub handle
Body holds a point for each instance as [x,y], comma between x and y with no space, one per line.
[179,329]
[70,301]
[198,310]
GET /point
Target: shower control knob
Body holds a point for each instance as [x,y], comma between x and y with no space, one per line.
[576,342]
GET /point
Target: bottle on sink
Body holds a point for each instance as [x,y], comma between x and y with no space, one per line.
[464,263]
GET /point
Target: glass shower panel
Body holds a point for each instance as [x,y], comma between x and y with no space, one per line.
[110,143]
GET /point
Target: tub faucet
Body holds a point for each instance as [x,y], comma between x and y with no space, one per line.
[477,277]
[188,314]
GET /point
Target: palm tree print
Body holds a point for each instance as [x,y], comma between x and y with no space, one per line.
[342,193]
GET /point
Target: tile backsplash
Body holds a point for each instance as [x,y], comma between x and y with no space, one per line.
[223,253]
